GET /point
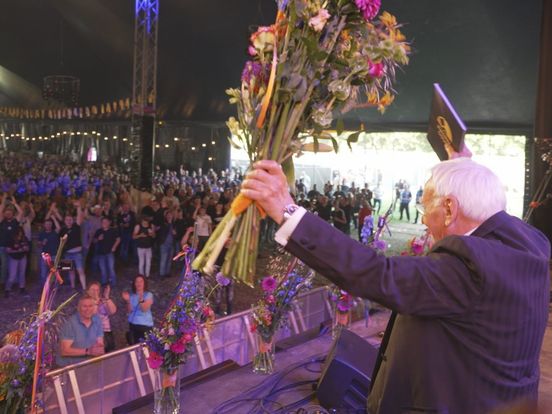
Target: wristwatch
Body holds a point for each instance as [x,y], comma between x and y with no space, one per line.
[289,210]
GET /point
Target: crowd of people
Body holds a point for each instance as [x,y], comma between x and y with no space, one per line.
[347,207]
[108,226]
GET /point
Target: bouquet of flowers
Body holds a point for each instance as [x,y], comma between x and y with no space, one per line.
[343,302]
[18,358]
[271,311]
[319,58]
[418,246]
[170,344]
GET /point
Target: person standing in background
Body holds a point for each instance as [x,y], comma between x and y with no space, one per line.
[126,220]
[49,243]
[138,303]
[9,223]
[204,226]
[144,235]
[406,197]
[17,251]
[105,307]
[166,237]
[378,195]
[106,241]
[73,245]
[419,195]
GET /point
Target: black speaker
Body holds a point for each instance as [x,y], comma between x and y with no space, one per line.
[147,138]
[345,381]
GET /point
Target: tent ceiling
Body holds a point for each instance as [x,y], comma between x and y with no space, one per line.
[483,52]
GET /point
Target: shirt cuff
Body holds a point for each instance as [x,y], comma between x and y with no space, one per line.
[286,230]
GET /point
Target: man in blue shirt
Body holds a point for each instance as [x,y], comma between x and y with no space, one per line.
[81,336]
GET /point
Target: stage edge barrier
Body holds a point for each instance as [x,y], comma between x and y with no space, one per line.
[99,384]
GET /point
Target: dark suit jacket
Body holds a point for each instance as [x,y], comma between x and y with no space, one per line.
[472,313]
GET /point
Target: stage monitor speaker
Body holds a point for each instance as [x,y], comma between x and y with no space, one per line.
[345,381]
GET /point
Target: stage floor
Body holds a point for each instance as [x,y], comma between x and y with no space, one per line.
[234,385]
[206,397]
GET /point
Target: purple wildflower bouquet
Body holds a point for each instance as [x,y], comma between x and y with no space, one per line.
[18,357]
[320,59]
[270,312]
[171,344]
[342,300]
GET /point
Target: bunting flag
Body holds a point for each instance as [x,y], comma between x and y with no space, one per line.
[117,108]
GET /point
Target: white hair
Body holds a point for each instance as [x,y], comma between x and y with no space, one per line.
[479,192]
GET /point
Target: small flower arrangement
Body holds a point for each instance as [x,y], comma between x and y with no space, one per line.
[342,301]
[171,344]
[18,358]
[367,230]
[417,246]
[278,294]
[270,312]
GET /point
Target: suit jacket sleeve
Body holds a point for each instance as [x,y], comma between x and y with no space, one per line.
[444,283]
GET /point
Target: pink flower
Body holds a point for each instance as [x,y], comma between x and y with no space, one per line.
[253,327]
[178,347]
[155,360]
[188,337]
[369,8]
[252,51]
[319,21]
[207,311]
[263,39]
[268,284]
[417,248]
[375,70]
[270,299]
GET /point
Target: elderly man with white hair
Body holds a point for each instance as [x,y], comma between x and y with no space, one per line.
[471,314]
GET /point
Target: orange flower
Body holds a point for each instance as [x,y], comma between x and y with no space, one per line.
[388,19]
[373,97]
[396,35]
[534,204]
[14,337]
[345,36]
[385,101]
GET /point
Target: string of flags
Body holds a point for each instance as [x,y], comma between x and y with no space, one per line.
[117,108]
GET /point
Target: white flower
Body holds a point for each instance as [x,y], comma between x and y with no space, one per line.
[233,125]
[319,21]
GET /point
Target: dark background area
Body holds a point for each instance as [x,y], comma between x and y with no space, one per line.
[483,52]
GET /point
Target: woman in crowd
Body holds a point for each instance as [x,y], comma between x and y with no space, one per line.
[339,218]
[138,303]
[144,235]
[17,261]
[204,226]
[105,307]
